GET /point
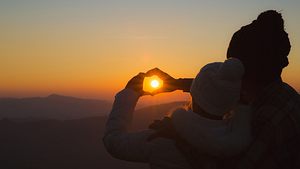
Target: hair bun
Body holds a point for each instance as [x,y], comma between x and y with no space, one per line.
[271,20]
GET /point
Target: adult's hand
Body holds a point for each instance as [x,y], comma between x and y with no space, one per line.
[136,84]
[170,83]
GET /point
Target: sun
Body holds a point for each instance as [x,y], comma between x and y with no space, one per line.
[155,83]
[152,83]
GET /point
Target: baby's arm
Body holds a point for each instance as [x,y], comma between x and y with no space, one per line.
[221,138]
[238,135]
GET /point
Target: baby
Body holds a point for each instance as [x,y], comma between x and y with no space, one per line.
[216,124]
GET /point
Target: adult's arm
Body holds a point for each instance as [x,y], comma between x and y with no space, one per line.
[117,140]
[184,84]
[219,138]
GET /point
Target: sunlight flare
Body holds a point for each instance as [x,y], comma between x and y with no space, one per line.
[152,83]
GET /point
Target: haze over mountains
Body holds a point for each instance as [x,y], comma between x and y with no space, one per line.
[53,107]
[63,132]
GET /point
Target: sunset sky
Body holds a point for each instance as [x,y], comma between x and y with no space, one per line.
[91,48]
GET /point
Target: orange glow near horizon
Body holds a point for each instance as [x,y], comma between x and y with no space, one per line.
[92,49]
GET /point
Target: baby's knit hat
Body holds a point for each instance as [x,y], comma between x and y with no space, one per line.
[216,88]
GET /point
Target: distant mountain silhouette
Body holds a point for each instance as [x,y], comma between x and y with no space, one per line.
[65,144]
[54,106]
[142,117]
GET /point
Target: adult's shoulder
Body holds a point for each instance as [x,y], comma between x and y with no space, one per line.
[277,102]
[292,95]
[278,94]
[291,90]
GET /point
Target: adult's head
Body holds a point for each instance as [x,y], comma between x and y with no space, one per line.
[263,47]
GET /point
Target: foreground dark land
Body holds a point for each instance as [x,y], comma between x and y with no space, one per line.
[57,144]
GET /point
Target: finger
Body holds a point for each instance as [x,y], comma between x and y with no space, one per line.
[146,93]
[161,74]
[157,91]
[154,71]
[141,74]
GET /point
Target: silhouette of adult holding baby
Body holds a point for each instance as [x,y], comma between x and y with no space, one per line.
[262,47]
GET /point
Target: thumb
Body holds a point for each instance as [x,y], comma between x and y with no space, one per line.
[157,91]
